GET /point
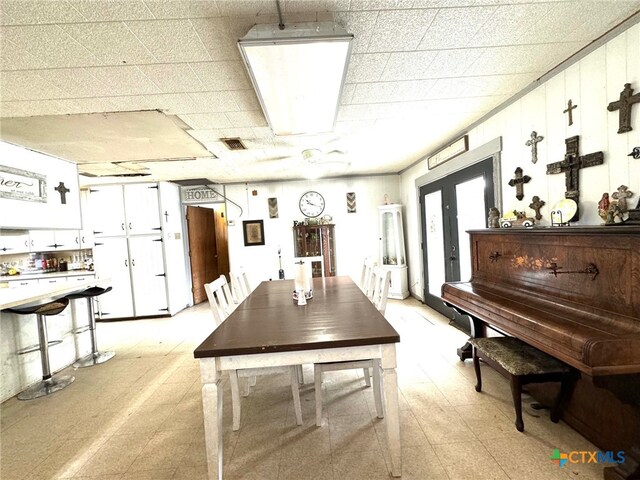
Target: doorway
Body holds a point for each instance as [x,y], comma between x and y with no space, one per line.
[208,247]
[449,207]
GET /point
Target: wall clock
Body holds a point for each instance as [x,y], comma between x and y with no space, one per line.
[312,204]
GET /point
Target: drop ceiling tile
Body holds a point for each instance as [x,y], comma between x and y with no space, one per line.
[400,30]
[209,136]
[36,12]
[408,65]
[380,4]
[34,108]
[76,82]
[50,44]
[247,119]
[112,10]
[223,75]
[347,93]
[28,85]
[172,103]
[501,60]
[361,25]
[12,109]
[173,77]
[170,40]
[14,58]
[391,91]
[245,99]
[262,132]
[83,105]
[452,63]
[217,38]
[366,67]
[131,103]
[295,17]
[454,27]
[353,112]
[560,24]
[289,6]
[123,80]
[246,7]
[479,86]
[212,102]
[111,42]
[507,23]
[162,9]
[206,121]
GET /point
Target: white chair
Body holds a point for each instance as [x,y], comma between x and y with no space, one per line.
[380,289]
[220,299]
[239,286]
[366,275]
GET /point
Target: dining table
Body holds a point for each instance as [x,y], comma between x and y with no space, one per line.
[269,329]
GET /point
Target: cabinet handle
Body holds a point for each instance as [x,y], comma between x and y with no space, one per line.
[133,262]
[82,240]
[122,225]
[26,243]
[77,241]
[126,262]
[129,225]
[32,244]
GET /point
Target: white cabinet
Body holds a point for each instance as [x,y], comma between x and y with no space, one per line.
[124,209]
[86,233]
[54,240]
[392,249]
[13,241]
[139,245]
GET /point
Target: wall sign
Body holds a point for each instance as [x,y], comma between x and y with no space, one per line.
[200,195]
[17,184]
[453,150]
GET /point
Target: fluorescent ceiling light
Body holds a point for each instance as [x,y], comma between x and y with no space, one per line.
[298,74]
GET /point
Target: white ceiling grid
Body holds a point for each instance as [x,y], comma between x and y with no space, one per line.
[420,69]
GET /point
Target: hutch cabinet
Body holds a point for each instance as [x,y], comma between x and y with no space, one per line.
[392,252]
[316,241]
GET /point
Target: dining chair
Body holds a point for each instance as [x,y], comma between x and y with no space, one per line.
[366,275]
[239,286]
[220,299]
[380,289]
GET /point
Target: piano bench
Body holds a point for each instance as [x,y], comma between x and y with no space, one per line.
[522,364]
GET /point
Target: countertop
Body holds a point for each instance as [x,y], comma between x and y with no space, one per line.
[36,275]
[42,293]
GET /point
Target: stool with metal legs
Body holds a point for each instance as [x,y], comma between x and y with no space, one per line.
[95,357]
[50,383]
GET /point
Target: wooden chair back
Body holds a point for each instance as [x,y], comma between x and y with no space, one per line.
[219,296]
[366,276]
[380,288]
[239,286]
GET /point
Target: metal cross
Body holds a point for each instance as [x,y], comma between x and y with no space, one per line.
[536,204]
[533,143]
[519,182]
[62,190]
[624,106]
[570,107]
[571,166]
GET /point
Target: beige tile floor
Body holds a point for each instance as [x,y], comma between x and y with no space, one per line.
[139,416]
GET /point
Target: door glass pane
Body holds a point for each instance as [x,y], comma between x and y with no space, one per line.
[389,255]
[435,241]
[471,215]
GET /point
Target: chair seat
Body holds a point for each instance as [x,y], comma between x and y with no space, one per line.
[89,292]
[49,308]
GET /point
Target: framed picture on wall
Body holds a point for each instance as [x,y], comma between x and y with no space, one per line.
[253,232]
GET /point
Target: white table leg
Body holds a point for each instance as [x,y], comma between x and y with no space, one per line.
[212,394]
[392,414]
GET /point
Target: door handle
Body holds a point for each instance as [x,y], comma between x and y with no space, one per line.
[453,256]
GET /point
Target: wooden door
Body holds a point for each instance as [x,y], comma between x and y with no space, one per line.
[203,258]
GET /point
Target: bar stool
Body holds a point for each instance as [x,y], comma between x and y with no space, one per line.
[50,383]
[95,357]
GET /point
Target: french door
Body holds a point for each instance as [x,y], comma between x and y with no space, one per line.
[449,207]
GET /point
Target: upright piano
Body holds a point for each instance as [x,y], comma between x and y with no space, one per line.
[574,293]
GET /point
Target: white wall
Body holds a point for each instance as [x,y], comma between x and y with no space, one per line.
[356,233]
[591,83]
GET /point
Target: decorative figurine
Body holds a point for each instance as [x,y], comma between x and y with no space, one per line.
[494,218]
[571,166]
[635,153]
[533,143]
[627,99]
[613,214]
[518,181]
[536,204]
[621,196]
[603,206]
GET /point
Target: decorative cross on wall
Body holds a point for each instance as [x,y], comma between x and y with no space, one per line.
[536,204]
[533,143]
[624,106]
[62,190]
[621,196]
[571,166]
[519,182]
[570,107]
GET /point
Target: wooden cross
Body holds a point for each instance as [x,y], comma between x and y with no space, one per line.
[519,182]
[533,143]
[571,166]
[624,106]
[536,204]
[62,190]
[570,107]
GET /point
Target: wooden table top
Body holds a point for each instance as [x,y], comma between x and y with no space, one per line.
[269,320]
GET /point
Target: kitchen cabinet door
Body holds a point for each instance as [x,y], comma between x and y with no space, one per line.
[86,233]
[148,275]
[106,211]
[12,242]
[142,208]
[53,240]
[111,258]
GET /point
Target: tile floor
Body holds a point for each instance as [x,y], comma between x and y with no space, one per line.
[139,416]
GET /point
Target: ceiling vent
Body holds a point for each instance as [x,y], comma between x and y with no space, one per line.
[233,143]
